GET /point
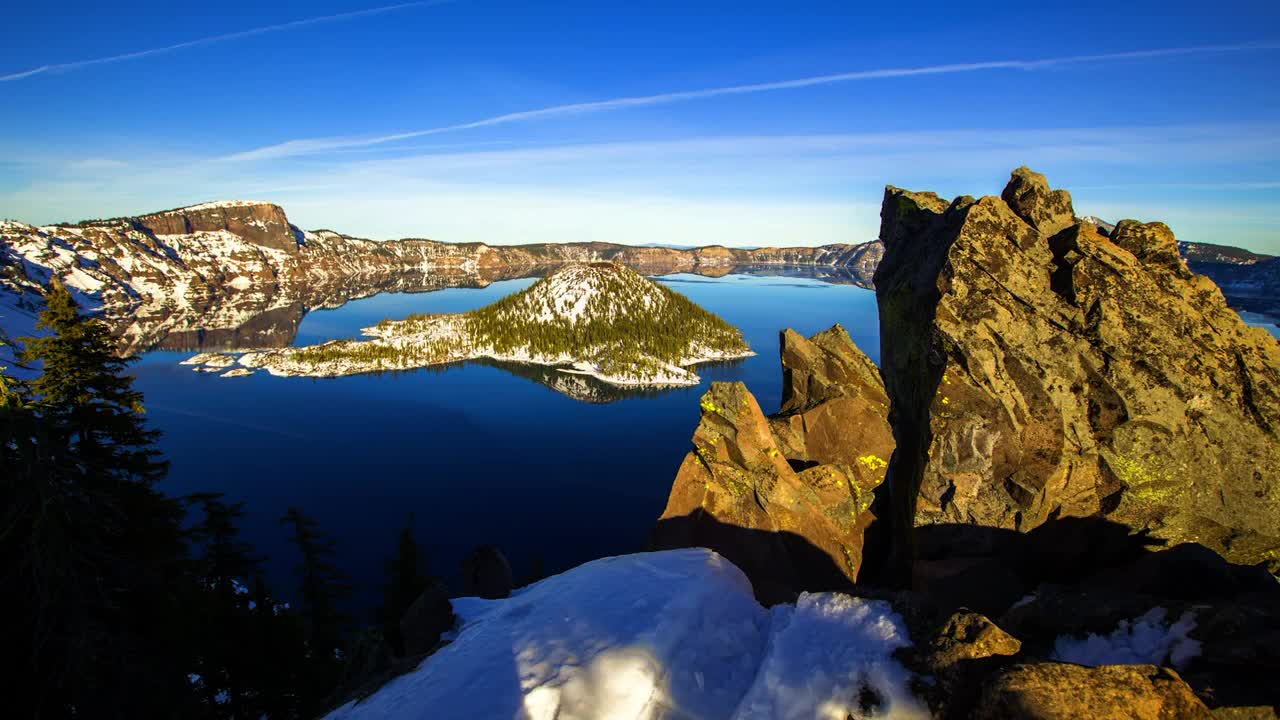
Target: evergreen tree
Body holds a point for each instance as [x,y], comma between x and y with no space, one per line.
[322,587]
[406,579]
[276,652]
[85,393]
[222,601]
[93,557]
[108,612]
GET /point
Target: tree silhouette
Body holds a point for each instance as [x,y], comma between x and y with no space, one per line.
[93,557]
[406,579]
[321,587]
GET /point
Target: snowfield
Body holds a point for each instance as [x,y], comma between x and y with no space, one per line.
[673,634]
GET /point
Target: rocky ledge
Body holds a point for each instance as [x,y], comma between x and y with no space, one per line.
[601,320]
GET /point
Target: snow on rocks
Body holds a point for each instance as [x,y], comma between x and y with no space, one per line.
[218,204]
[1146,640]
[654,635]
[203,359]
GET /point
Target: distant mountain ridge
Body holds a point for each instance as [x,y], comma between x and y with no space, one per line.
[1212,253]
[204,273]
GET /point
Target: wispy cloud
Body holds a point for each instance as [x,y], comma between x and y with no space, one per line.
[320,145]
[1213,182]
[79,64]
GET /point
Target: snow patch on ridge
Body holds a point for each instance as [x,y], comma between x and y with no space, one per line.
[218,204]
[654,635]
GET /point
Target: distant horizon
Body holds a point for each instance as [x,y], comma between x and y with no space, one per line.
[433,238]
[741,124]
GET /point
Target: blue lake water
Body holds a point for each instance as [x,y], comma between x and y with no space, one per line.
[477,454]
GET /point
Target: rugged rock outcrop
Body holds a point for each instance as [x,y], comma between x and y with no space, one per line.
[786,498]
[1038,369]
[834,408]
[1060,691]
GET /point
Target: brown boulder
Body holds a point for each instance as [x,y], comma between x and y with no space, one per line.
[487,573]
[834,408]
[1038,371]
[1150,242]
[962,652]
[1059,691]
[970,636]
[1028,194]
[429,617]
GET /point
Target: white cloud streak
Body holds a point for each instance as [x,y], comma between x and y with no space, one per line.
[79,64]
[320,145]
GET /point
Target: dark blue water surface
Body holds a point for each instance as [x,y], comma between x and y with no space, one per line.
[479,455]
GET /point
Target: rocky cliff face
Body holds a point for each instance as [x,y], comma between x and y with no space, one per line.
[1038,369]
[260,224]
[787,498]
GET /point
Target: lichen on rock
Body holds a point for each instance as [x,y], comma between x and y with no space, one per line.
[1038,369]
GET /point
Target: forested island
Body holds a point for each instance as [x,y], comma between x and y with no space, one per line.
[597,319]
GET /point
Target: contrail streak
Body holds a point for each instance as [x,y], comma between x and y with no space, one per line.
[304,147]
[62,67]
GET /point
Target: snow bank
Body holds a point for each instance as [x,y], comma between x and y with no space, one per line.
[831,656]
[1147,640]
[653,635]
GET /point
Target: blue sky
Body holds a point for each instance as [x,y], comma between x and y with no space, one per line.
[739,123]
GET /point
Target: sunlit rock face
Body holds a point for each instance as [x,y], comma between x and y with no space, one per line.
[834,409]
[1039,369]
[788,497]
